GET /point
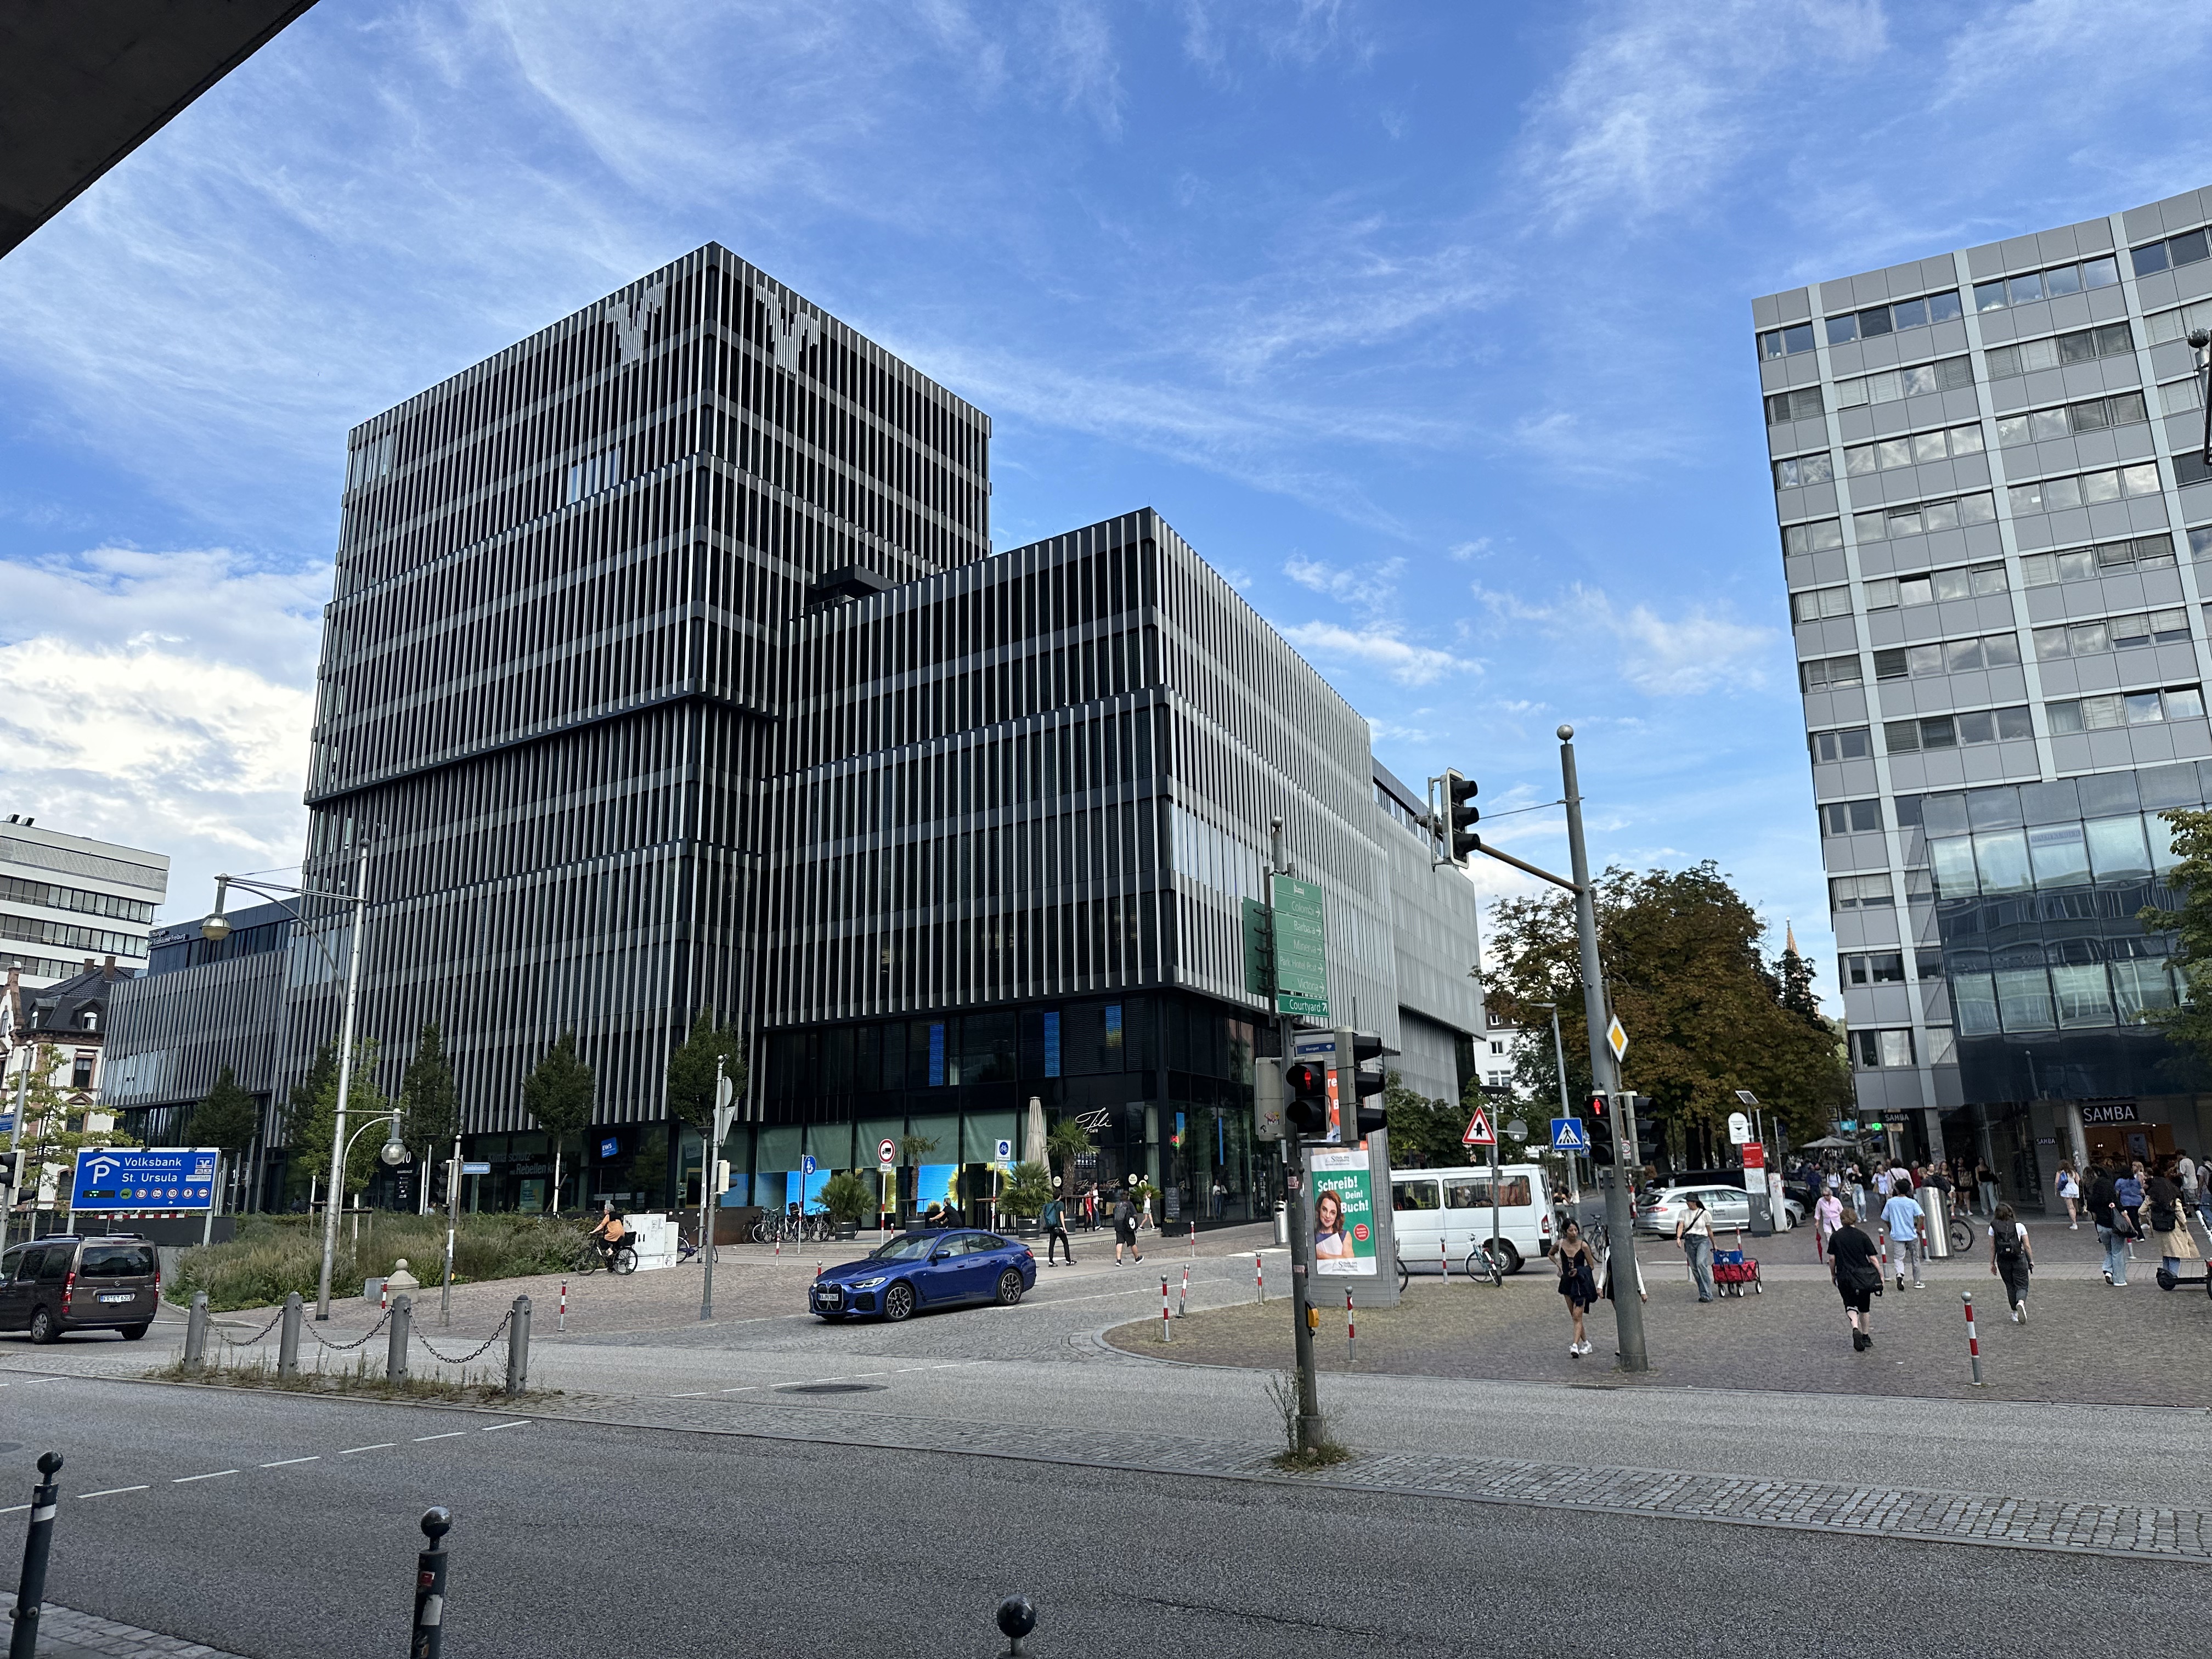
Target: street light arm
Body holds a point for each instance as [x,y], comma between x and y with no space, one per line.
[223,882]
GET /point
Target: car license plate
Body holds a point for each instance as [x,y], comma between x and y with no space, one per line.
[124,1296]
[829,1298]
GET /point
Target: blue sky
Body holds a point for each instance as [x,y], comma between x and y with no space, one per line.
[1429,324]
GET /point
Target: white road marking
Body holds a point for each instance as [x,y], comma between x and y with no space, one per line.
[287,1462]
[519,1423]
[216,1474]
[111,1490]
[696,1394]
[746,1387]
[448,1435]
[381,1445]
[15,1509]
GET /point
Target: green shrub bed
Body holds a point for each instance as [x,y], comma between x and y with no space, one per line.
[275,1256]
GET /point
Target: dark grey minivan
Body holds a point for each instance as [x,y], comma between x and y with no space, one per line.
[69,1282]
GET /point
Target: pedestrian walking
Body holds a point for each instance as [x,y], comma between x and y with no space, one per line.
[1858,1185]
[1125,1228]
[2070,1189]
[1056,1231]
[1827,1216]
[1855,1265]
[2111,1222]
[1220,1197]
[2128,1190]
[2185,1171]
[1985,1182]
[2169,1220]
[1578,1267]
[1908,1230]
[2010,1259]
[1694,1233]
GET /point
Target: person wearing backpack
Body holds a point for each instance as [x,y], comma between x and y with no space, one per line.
[1055,1229]
[2010,1259]
[2169,1219]
[2114,1227]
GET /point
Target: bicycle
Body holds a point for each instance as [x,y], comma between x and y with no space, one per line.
[621,1259]
[1481,1265]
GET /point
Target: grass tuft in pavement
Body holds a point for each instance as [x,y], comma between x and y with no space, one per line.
[1320,1450]
[363,1380]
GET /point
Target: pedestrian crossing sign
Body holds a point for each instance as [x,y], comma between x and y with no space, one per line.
[1568,1135]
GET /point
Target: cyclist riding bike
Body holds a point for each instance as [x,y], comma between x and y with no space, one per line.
[607,1237]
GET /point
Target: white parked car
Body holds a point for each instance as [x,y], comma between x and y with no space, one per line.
[1728,1206]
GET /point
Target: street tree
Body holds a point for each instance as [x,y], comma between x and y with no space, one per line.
[229,1118]
[2188,1025]
[430,1115]
[1706,1013]
[691,1070]
[559,1094]
[310,1126]
[1067,1141]
[1425,1132]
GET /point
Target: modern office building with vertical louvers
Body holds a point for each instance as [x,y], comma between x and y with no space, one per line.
[1988,474]
[669,668]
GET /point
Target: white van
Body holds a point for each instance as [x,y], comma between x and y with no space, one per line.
[1453,1205]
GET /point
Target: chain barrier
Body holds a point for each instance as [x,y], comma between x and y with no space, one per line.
[347,1347]
[480,1347]
[253,1339]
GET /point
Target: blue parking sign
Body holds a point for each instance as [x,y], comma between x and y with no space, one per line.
[109,1181]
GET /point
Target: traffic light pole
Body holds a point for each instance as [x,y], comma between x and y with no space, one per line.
[1294,1159]
[1617,1180]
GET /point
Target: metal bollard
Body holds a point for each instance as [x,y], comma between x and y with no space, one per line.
[1016,1619]
[38,1542]
[561,1323]
[395,1353]
[288,1338]
[518,1347]
[430,1585]
[1166,1333]
[1259,1279]
[1974,1339]
[1182,1302]
[1350,1335]
[196,1330]
[1444,1259]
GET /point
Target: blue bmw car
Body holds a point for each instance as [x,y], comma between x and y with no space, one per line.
[935,1269]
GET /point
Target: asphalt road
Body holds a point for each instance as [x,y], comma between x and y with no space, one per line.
[575,1538]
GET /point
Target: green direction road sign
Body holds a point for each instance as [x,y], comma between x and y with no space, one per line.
[1301,954]
[1259,949]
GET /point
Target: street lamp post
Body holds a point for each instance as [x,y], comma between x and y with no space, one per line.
[217,929]
[1560,1060]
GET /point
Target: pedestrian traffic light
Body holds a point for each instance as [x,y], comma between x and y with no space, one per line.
[1365,1084]
[1462,815]
[1599,1125]
[1267,1097]
[1306,1085]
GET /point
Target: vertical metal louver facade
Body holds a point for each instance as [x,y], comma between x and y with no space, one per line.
[551,669]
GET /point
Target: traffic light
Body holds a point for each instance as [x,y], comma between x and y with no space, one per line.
[1599,1122]
[1267,1097]
[1306,1083]
[1461,816]
[1365,1082]
[1648,1135]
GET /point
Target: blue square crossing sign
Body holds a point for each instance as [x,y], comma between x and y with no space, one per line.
[1568,1135]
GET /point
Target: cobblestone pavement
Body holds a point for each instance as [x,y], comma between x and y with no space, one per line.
[2085,1343]
[65,1633]
[1815,1505]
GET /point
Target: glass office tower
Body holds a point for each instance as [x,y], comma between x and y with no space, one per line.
[1988,479]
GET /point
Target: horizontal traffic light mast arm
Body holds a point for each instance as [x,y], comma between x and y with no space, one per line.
[1508,858]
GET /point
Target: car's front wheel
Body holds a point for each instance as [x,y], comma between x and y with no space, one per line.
[898,1303]
[43,1328]
[1010,1288]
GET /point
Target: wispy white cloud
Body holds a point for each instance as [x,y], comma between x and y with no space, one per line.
[1377,646]
[1679,656]
[1660,100]
[1370,588]
[162,701]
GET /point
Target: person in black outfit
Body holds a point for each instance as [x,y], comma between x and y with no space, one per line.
[1855,1265]
[2103,1201]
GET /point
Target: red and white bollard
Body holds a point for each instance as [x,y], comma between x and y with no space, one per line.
[1259,1278]
[1182,1302]
[1974,1339]
[1882,1237]
[562,1323]
[817,1266]
[383,1297]
[1350,1335]
[1444,1259]
[1166,1333]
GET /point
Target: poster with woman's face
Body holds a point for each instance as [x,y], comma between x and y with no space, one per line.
[1344,1213]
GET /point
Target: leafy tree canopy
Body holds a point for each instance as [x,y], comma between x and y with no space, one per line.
[310,1126]
[1705,1013]
[431,1114]
[227,1118]
[691,1070]
[2189,1026]
[560,1090]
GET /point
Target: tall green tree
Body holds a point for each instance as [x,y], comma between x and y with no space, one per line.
[1068,1140]
[228,1117]
[430,1111]
[310,1126]
[2188,1022]
[1706,1013]
[560,1093]
[691,1070]
[1425,1132]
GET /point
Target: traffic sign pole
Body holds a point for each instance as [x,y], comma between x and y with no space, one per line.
[1605,1077]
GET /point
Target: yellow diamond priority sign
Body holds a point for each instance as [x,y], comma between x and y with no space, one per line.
[1617,1040]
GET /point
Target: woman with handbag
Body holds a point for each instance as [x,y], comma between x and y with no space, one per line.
[2169,1220]
[1856,1268]
[2114,1227]
[1578,1281]
[2070,1189]
[1694,1233]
